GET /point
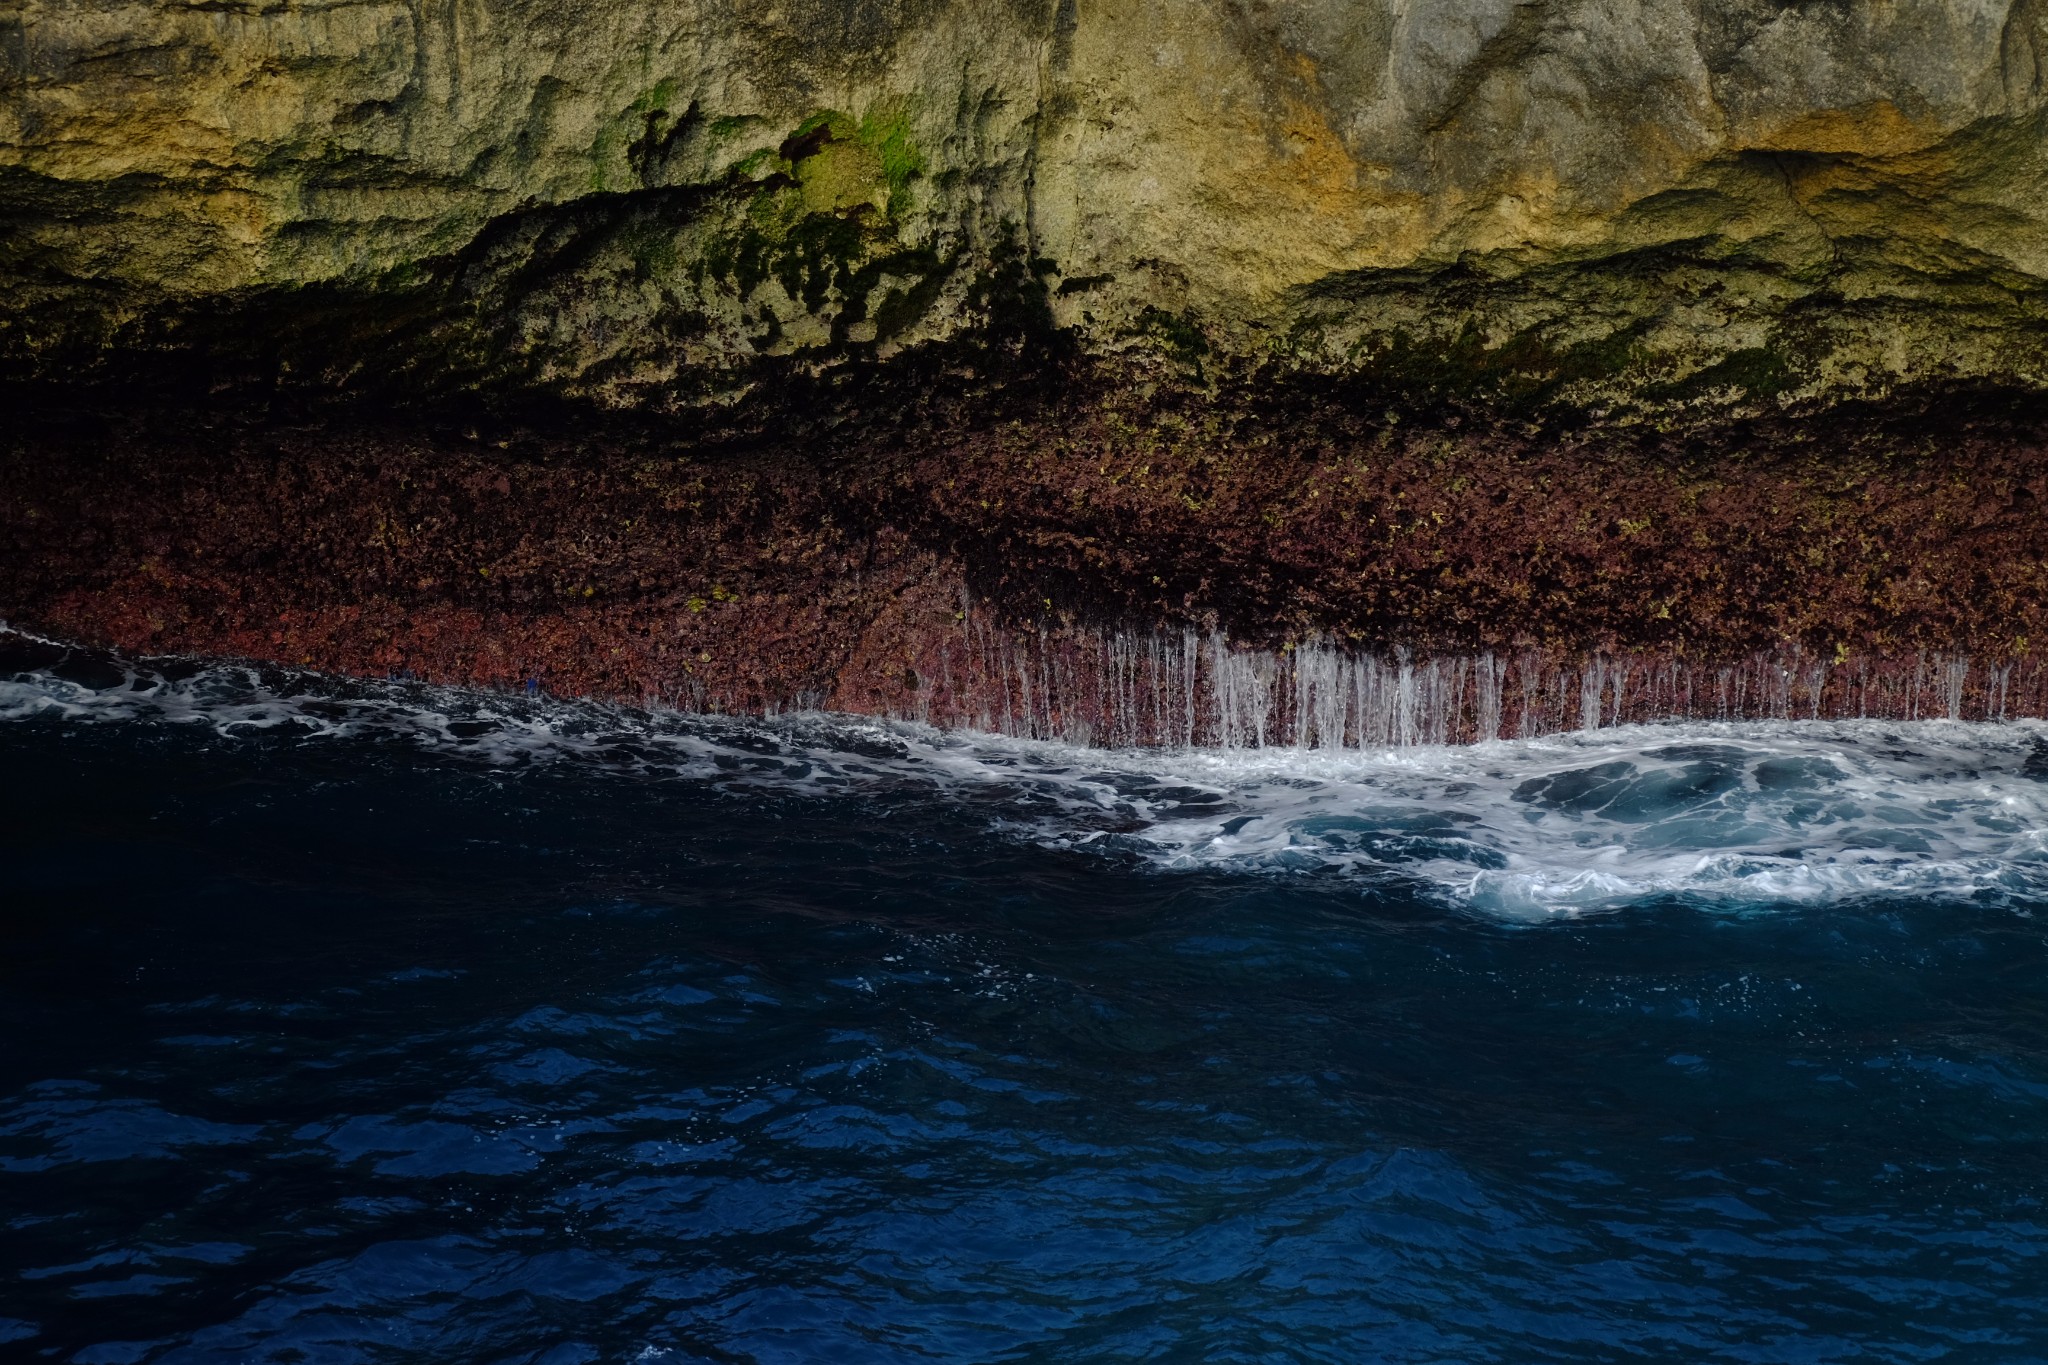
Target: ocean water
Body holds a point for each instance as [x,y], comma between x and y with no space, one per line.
[375,1022]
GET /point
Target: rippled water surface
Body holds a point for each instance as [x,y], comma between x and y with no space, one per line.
[371,1022]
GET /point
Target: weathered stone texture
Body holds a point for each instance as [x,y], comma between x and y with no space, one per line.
[1601,201]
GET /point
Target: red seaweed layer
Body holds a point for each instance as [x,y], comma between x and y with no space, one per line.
[1840,565]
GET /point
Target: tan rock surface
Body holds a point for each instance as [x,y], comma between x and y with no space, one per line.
[1587,199]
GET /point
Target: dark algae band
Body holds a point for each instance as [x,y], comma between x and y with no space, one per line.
[935,543]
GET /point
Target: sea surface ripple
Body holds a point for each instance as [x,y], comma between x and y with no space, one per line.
[378,1022]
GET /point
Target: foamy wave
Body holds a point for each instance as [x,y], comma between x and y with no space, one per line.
[1757,812]
[1768,812]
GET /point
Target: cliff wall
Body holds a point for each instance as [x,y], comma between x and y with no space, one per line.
[1606,205]
[1621,340]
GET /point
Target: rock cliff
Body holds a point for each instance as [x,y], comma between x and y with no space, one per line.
[949,359]
[1605,205]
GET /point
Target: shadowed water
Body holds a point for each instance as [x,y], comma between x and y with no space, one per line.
[378,1023]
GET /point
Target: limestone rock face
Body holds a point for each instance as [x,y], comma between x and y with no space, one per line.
[1604,202]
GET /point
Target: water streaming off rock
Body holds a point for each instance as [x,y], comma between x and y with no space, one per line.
[1184,689]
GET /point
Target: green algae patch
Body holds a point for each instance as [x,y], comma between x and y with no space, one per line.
[841,175]
[841,161]
[885,131]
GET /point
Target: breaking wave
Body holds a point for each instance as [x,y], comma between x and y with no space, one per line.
[1734,813]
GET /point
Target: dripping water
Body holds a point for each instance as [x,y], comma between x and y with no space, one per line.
[1184,688]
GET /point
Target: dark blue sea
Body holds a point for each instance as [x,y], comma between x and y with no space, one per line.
[372,1022]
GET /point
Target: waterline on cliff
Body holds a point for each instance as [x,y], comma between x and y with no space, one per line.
[1726,812]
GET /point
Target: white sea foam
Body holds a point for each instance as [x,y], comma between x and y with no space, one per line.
[1738,813]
